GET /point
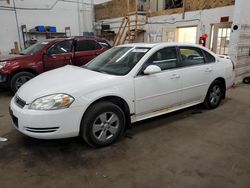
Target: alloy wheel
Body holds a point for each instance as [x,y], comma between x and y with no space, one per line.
[105,126]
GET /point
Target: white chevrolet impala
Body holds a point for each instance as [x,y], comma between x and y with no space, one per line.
[126,84]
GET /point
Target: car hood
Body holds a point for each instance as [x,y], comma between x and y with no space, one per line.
[71,80]
[11,57]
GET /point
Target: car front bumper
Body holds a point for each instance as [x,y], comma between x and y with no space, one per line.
[53,124]
[3,80]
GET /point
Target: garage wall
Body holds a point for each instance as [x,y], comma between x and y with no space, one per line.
[202,19]
[240,39]
[59,13]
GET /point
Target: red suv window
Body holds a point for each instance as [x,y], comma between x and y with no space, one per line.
[87,45]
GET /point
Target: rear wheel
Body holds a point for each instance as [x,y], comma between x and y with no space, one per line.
[19,79]
[102,124]
[214,95]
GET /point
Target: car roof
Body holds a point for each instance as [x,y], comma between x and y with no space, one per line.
[76,38]
[87,38]
[161,44]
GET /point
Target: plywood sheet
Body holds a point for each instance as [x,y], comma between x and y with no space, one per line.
[113,9]
[118,8]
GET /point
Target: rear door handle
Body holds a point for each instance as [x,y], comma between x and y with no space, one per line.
[208,70]
[67,58]
[97,53]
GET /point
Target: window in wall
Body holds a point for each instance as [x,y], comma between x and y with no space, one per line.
[187,34]
[170,4]
[220,37]
[223,40]
[168,35]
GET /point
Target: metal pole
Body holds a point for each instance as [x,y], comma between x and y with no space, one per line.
[93,16]
[17,24]
[79,17]
[136,16]
[128,16]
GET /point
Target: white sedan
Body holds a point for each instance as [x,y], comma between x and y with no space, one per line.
[126,84]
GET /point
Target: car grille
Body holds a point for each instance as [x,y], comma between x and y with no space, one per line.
[19,102]
[41,130]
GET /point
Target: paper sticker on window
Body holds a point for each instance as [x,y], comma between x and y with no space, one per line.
[140,50]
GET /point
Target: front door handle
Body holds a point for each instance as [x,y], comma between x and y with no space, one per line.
[175,76]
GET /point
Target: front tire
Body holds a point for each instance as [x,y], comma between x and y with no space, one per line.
[102,124]
[19,79]
[214,95]
[246,80]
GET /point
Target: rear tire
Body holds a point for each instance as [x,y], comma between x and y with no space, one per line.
[102,124]
[19,79]
[214,95]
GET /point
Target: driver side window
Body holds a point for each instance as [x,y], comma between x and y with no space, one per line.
[165,58]
[61,47]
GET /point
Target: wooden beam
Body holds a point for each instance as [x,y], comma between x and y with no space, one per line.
[183,9]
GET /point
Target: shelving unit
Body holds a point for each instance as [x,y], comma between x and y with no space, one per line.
[31,37]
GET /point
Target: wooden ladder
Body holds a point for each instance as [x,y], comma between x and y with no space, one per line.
[129,28]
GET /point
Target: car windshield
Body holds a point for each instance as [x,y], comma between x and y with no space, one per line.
[117,60]
[34,48]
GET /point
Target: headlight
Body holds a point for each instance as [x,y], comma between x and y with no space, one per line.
[52,102]
[2,64]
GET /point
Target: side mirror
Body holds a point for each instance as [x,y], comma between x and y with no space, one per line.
[152,69]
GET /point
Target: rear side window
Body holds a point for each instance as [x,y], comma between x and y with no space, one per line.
[87,45]
[104,43]
[191,56]
[210,57]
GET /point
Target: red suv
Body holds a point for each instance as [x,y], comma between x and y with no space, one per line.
[43,56]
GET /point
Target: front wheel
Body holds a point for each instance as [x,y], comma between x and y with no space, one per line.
[19,79]
[246,80]
[103,124]
[214,95]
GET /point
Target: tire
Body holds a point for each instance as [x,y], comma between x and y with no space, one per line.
[102,124]
[19,79]
[214,95]
[246,80]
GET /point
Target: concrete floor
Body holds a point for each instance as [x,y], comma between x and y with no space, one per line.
[191,148]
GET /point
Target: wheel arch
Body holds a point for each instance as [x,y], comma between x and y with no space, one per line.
[223,82]
[119,101]
[32,71]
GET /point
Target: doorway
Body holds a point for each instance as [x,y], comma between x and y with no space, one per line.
[187,34]
[220,37]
